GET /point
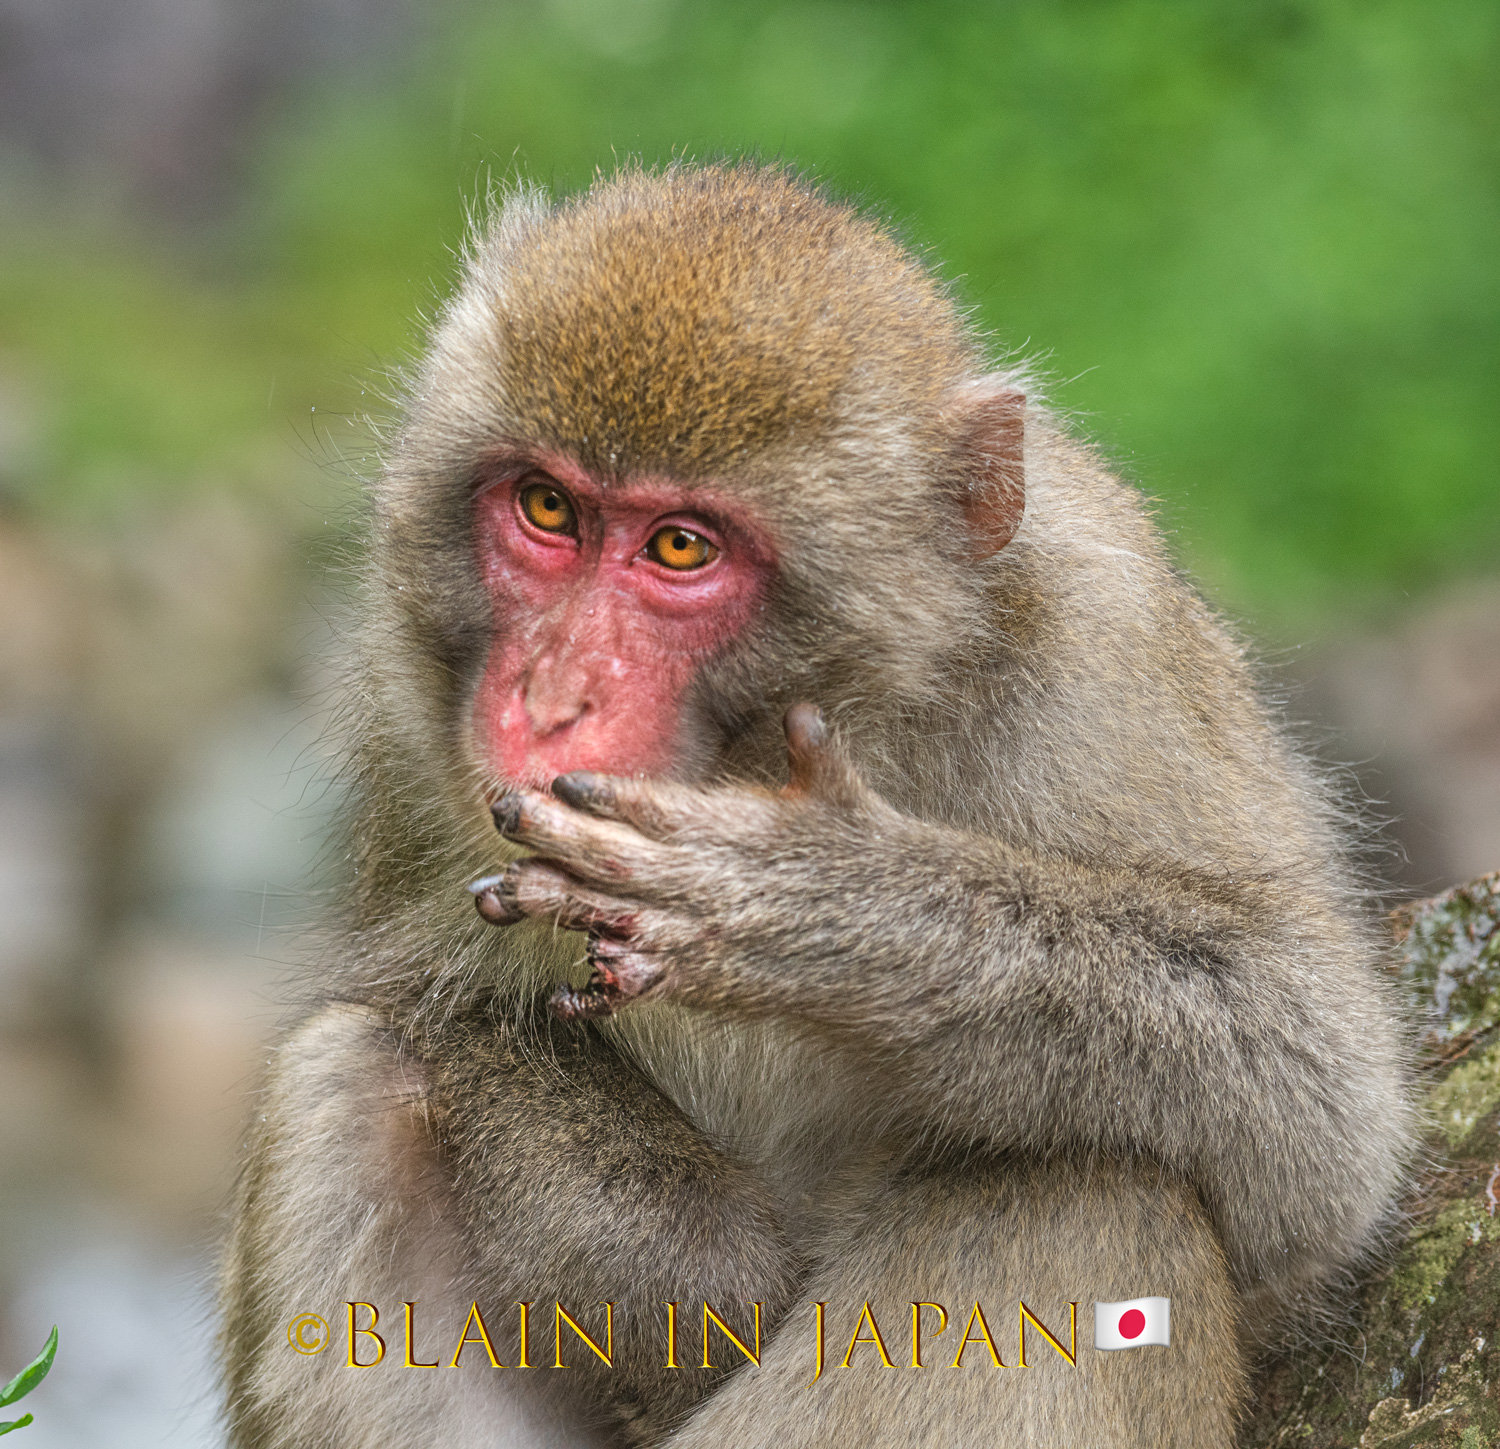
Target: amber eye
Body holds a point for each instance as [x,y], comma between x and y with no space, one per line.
[549,508]
[680,548]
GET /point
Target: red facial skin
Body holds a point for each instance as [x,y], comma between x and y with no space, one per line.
[595,643]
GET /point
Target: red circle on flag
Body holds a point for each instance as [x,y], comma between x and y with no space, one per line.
[1132,1324]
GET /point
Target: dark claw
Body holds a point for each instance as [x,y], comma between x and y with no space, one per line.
[616,976]
[507,812]
[583,790]
[494,899]
[596,997]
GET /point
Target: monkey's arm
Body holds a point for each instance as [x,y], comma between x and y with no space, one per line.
[1224,1026]
[579,1182]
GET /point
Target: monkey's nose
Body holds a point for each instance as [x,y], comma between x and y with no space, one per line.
[552,705]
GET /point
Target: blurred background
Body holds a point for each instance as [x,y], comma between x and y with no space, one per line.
[1254,246]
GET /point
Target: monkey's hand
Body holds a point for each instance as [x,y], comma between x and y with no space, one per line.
[685,890]
[1210,1020]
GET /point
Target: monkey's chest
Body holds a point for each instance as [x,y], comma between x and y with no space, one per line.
[791,1110]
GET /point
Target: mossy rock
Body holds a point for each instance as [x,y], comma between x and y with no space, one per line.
[1421,1366]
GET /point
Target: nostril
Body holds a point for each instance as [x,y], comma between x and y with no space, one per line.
[548,728]
[550,713]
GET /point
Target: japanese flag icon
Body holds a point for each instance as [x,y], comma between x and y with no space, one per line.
[1134,1323]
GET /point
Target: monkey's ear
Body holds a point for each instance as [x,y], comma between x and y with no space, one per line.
[989,424]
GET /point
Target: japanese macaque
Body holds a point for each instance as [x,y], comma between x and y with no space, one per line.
[900,894]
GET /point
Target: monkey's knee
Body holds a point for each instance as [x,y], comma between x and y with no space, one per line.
[337,1160]
[1051,1236]
[972,1247]
[339,1154]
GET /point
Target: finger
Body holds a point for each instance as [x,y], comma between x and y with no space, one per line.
[818,766]
[619,976]
[603,852]
[534,888]
[670,814]
[658,808]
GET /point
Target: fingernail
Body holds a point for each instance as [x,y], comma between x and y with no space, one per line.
[581,788]
[492,905]
[507,812]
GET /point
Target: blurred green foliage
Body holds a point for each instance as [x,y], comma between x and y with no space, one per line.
[1254,246]
[25,1381]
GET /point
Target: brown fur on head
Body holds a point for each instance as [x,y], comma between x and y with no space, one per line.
[682,320]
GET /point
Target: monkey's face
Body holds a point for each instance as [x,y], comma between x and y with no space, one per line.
[606,603]
[686,451]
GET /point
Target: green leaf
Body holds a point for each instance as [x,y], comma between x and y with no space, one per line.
[20,1423]
[29,1377]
